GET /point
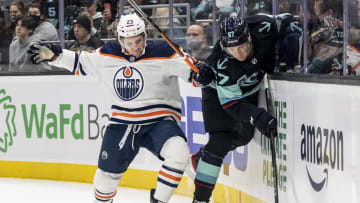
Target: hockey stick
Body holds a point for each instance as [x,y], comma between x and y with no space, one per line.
[272,139]
[150,21]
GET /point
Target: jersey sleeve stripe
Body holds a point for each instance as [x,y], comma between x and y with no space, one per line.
[145,108]
[75,63]
[156,113]
[82,70]
[137,122]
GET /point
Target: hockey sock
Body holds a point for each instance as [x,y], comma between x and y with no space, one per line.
[105,185]
[168,180]
[104,197]
[206,175]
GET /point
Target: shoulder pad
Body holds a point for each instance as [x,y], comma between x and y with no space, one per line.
[112,48]
[261,24]
[159,49]
[255,19]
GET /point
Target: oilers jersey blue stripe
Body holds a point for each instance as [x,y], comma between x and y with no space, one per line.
[167,183]
[82,70]
[75,62]
[102,200]
[145,108]
[137,121]
[173,170]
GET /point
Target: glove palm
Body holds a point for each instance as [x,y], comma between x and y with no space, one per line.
[44,53]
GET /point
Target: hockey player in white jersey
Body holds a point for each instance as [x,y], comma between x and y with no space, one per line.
[146,110]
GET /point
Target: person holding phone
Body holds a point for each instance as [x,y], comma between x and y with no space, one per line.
[91,6]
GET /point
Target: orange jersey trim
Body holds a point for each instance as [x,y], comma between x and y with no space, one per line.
[355,49]
[169,176]
[111,55]
[77,71]
[155,58]
[146,114]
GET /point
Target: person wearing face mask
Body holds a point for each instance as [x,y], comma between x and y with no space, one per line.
[7,33]
[17,9]
[45,31]
[196,42]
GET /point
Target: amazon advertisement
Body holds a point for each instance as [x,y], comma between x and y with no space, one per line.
[320,122]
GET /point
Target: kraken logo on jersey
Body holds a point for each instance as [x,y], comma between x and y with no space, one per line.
[245,81]
[128,83]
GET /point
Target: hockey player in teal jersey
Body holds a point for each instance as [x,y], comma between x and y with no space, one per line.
[244,53]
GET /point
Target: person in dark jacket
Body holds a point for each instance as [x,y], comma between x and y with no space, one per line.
[84,40]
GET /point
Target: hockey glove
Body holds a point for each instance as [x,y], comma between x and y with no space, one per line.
[44,53]
[206,74]
[264,122]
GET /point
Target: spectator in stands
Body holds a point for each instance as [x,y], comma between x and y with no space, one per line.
[196,42]
[109,16]
[326,40]
[18,56]
[178,33]
[91,7]
[223,9]
[353,50]
[289,42]
[7,31]
[192,3]
[45,31]
[4,44]
[84,40]
[259,6]
[93,31]
[17,9]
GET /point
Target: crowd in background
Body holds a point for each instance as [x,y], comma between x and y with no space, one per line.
[91,23]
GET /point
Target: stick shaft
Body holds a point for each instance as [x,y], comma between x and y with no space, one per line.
[272,143]
[150,21]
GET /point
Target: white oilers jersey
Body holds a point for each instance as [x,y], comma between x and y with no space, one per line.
[144,90]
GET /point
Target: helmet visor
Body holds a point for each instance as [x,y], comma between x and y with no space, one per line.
[234,41]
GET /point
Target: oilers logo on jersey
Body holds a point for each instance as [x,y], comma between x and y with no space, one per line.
[128,83]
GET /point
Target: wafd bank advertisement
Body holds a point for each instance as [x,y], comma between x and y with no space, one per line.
[63,119]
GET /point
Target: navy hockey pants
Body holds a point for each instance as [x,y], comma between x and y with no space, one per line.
[122,142]
[226,133]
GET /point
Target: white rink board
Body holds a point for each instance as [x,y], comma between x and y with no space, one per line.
[331,110]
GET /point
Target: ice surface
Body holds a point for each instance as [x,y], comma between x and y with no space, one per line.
[13,190]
